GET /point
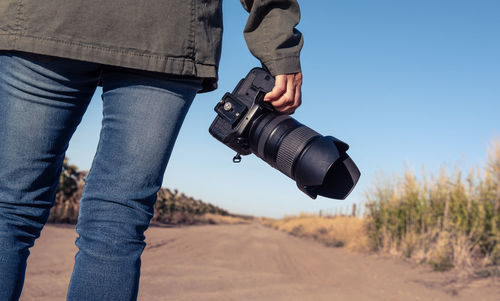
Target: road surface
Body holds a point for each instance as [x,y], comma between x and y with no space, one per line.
[250,262]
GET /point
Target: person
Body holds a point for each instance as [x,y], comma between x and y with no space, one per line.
[151,58]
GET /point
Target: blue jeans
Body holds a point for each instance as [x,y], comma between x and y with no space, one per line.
[42,101]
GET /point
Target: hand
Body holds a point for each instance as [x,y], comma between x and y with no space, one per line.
[286,95]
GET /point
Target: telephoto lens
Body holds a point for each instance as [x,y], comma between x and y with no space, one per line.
[318,164]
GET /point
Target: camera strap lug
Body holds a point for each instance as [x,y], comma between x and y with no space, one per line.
[237,158]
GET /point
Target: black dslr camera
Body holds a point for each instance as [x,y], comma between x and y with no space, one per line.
[247,124]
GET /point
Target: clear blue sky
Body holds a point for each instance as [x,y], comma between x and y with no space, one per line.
[405,83]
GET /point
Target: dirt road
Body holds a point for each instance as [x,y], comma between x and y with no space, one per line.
[249,262]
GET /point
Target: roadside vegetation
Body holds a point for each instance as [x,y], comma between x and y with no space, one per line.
[171,208]
[178,209]
[450,220]
[333,231]
[69,192]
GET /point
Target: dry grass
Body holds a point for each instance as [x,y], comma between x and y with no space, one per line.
[340,231]
[217,219]
[446,220]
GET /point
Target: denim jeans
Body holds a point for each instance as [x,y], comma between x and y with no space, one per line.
[42,101]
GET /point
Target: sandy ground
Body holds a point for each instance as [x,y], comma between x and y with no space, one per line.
[250,262]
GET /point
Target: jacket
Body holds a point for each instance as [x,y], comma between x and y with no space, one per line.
[177,37]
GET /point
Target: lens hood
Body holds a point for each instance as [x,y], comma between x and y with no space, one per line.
[325,169]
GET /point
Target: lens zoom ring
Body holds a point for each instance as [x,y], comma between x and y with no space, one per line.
[266,132]
[292,146]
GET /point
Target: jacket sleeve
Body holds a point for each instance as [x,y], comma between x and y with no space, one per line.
[271,35]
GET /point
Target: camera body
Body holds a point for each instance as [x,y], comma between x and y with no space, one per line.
[236,111]
[247,124]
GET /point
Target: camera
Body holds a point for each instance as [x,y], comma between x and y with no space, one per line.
[247,124]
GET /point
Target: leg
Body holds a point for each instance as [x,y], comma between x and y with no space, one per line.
[42,100]
[142,117]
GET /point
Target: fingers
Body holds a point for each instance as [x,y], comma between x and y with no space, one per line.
[286,104]
[286,95]
[297,101]
[278,90]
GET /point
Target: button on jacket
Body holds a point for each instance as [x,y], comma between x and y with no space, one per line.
[177,37]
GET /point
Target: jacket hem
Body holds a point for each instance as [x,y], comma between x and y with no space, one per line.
[123,57]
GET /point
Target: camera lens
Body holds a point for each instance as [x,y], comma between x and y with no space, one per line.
[319,164]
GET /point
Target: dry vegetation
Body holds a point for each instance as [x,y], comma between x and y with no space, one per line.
[339,231]
[217,219]
[178,209]
[69,192]
[447,221]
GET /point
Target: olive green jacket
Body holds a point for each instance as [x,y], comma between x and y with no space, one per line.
[178,37]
